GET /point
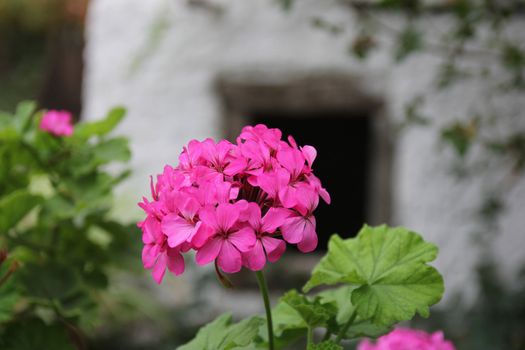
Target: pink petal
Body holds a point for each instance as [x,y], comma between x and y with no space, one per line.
[208,217]
[273,219]
[307,197]
[310,153]
[152,230]
[149,256]
[175,262]
[190,208]
[293,229]
[292,160]
[177,229]
[325,195]
[255,259]
[366,345]
[236,166]
[227,215]
[244,239]
[230,259]
[274,248]
[309,241]
[208,252]
[252,214]
[201,235]
[160,268]
[288,196]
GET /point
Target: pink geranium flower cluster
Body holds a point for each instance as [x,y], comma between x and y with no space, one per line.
[234,204]
[58,123]
[408,339]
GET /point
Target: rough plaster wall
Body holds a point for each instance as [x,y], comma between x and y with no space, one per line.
[165,80]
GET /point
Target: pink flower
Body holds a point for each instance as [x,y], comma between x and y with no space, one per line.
[266,246]
[234,204]
[408,339]
[58,123]
[299,227]
[226,239]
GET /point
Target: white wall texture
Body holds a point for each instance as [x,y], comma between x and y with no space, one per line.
[159,59]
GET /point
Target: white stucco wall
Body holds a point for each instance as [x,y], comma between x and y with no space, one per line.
[166,83]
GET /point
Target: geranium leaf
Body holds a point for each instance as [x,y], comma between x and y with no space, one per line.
[387,267]
[340,297]
[311,311]
[221,334]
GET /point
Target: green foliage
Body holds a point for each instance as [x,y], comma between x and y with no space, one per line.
[35,334]
[325,345]
[408,41]
[14,206]
[55,201]
[223,334]
[388,267]
[460,136]
[382,277]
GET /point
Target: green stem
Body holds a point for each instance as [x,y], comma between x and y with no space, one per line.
[264,292]
[310,336]
[345,327]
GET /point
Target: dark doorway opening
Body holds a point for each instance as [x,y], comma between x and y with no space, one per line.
[342,140]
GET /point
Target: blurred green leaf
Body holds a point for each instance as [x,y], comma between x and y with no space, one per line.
[15,206]
[460,136]
[408,41]
[513,57]
[116,149]
[9,293]
[101,127]
[24,112]
[51,281]
[286,5]
[362,45]
[34,334]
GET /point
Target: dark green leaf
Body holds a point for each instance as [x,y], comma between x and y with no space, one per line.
[34,334]
[9,294]
[49,281]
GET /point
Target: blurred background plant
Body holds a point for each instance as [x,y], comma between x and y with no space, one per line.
[57,238]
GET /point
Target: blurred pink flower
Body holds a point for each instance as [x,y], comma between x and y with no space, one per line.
[58,123]
[234,204]
[408,339]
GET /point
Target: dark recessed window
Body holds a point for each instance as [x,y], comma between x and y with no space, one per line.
[342,140]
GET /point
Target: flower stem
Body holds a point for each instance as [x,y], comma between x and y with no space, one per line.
[264,292]
[345,327]
[310,336]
